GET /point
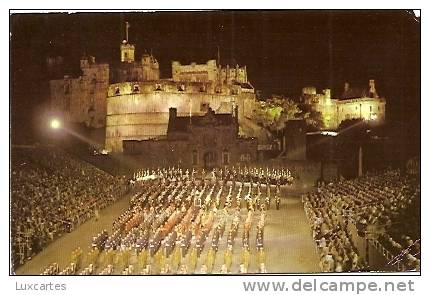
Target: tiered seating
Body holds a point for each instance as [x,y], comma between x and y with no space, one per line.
[376,204]
[51,194]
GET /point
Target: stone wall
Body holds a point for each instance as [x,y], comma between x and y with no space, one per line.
[371,109]
[335,111]
[82,99]
[143,114]
[195,72]
[164,153]
[209,72]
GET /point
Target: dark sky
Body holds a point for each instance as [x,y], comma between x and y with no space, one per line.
[283,50]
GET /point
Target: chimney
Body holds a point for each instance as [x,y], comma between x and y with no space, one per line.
[346,87]
[327,93]
[172,113]
[372,88]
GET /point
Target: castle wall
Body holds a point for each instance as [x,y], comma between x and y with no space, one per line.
[144,115]
[370,109]
[195,72]
[82,99]
[155,153]
[208,72]
[335,111]
[237,74]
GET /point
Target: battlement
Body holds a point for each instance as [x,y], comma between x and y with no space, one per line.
[127,52]
[209,71]
[195,72]
[179,87]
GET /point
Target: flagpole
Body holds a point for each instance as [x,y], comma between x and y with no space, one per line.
[127,25]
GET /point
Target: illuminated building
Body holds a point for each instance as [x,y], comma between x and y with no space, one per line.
[132,102]
[354,103]
[207,141]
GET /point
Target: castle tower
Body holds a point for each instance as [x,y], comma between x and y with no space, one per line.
[127,50]
[327,96]
[372,89]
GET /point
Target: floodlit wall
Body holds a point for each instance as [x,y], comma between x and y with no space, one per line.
[82,99]
[335,111]
[138,111]
[195,72]
[208,72]
[370,109]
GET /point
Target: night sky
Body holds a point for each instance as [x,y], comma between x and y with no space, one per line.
[283,50]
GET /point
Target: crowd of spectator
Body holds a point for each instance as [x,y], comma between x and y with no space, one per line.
[383,206]
[52,193]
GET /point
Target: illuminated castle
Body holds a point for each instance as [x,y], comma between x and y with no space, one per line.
[354,103]
[133,103]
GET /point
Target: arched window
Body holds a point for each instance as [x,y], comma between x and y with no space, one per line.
[181,87]
[158,87]
[117,91]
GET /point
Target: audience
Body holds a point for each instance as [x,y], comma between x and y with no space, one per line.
[51,194]
[383,205]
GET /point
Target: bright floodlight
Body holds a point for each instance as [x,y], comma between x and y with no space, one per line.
[55,124]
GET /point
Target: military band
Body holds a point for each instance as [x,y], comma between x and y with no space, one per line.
[187,221]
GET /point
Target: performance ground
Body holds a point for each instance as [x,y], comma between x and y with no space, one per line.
[288,243]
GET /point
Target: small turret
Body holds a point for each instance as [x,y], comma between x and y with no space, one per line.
[127,49]
[127,52]
[372,89]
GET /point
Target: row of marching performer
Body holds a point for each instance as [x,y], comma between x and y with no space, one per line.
[183,225]
[279,176]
